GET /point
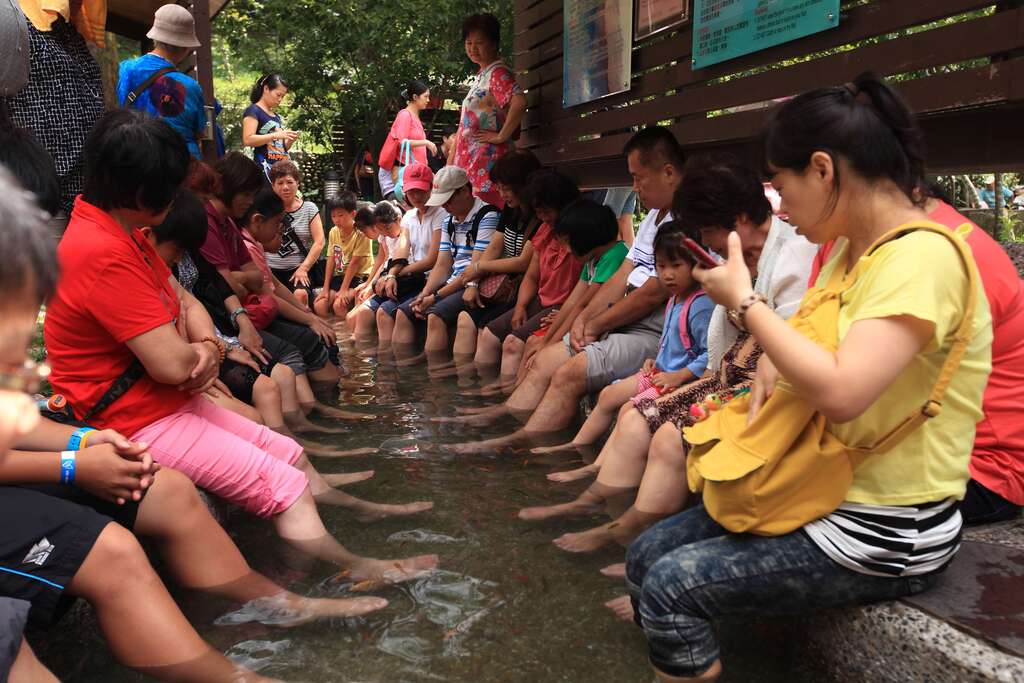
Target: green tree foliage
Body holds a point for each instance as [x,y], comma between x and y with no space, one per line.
[347,60]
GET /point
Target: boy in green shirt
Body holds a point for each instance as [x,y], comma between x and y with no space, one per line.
[591,231]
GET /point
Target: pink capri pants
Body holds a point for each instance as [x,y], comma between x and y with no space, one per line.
[228,455]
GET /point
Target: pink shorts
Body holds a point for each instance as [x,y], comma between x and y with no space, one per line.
[228,455]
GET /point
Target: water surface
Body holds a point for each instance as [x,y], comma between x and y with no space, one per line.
[506,604]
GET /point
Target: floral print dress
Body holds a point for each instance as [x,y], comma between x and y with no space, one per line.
[485,109]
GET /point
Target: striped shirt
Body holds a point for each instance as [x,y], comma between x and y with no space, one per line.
[514,228]
[887,540]
[641,254]
[462,252]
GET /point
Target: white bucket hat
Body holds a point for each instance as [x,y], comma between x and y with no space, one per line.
[174,25]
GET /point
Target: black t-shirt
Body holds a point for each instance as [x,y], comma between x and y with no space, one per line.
[517,227]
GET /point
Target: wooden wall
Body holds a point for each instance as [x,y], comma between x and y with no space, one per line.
[965,79]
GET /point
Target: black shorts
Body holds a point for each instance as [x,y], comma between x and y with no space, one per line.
[501,327]
[13,617]
[315,353]
[316,277]
[338,280]
[449,308]
[41,553]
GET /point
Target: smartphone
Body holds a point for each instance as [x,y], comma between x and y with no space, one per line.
[702,257]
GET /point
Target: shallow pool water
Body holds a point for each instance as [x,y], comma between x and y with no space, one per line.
[506,605]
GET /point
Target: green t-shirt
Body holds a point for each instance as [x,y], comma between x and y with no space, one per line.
[600,270]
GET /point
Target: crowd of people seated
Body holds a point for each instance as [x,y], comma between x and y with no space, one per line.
[191,313]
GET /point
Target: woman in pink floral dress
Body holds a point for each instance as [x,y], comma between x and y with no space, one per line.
[492,110]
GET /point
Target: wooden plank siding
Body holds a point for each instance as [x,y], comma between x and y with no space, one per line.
[961,78]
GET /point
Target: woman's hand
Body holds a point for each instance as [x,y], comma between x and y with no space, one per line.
[205,370]
[728,284]
[519,317]
[391,288]
[549,318]
[325,331]
[300,278]
[251,341]
[432,147]
[471,295]
[286,135]
[490,137]
[648,365]
[243,357]
[765,378]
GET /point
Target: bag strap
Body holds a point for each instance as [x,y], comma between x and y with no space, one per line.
[134,94]
[125,381]
[405,154]
[684,318]
[477,219]
[933,406]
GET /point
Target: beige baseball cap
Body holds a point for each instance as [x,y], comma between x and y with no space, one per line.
[446,182]
[174,25]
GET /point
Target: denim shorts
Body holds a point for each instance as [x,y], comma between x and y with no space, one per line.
[687,570]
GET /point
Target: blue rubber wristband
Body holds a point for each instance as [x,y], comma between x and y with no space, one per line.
[76,439]
[67,468]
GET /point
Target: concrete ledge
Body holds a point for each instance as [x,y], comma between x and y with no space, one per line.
[896,642]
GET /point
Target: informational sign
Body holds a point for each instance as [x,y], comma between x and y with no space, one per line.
[657,15]
[597,44]
[726,29]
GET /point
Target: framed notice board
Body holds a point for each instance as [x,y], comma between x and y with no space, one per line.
[726,29]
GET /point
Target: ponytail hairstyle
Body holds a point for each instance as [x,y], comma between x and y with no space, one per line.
[864,122]
[385,212]
[266,203]
[414,89]
[269,81]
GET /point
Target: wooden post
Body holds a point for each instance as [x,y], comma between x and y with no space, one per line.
[204,68]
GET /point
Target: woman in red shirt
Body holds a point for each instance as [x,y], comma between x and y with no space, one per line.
[115,320]
[407,126]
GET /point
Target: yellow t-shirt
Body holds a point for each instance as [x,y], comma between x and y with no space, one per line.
[344,250]
[919,274]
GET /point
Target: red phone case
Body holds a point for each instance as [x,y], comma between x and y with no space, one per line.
[703,258]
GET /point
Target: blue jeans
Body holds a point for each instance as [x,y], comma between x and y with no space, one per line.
[686,570]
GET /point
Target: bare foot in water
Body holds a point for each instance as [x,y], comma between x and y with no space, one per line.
[481,419]
[307,427]
[372,512]
[573,475]
[335,480]
[615,571]
[541,450]
[622,607]
[472,410]
[369,573]
[587,541]
[341,414]
[321,452]
[288,611]
[577,507]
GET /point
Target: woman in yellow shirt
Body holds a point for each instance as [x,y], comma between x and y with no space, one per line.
[847,162]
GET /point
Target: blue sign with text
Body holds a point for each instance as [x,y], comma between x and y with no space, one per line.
[726,29]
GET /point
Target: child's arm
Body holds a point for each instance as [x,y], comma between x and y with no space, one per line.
[527,291]
[378,265]
[427,262]
[328,273]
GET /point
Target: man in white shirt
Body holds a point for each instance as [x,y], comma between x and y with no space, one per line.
[621,326]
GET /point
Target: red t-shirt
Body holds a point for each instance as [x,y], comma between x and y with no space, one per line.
[405,127]
[113,287]
[998,458]
[559,269]
[223,247]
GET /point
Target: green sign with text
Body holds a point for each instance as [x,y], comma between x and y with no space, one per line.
[726,29]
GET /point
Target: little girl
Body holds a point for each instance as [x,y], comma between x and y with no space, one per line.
[682,353]
[392,243]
